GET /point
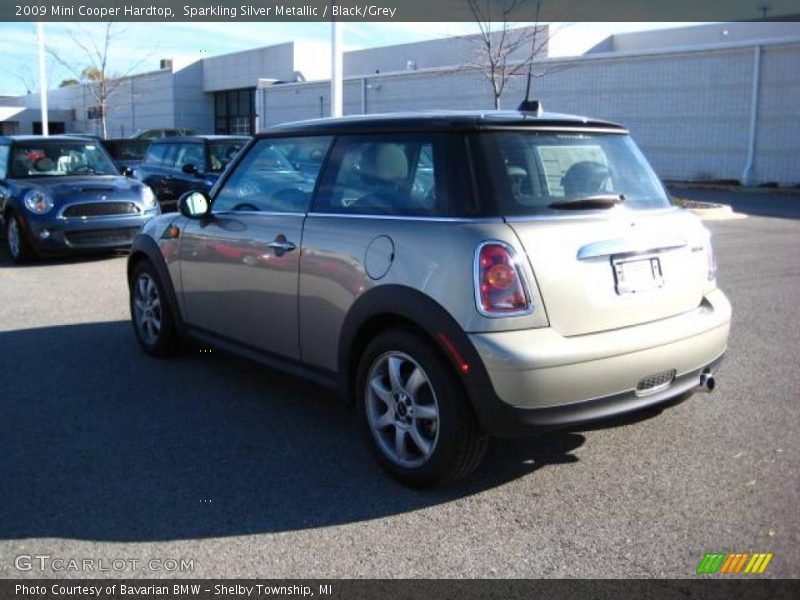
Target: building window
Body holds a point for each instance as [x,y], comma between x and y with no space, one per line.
[235,112]
[53,127]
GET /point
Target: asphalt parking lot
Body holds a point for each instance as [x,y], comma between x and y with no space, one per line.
[106,453]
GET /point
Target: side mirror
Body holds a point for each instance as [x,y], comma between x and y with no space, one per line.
[190,169]
[127,171]
[194,205]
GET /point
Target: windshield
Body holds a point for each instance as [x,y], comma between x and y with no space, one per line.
[538,173]
[52,159]
[221,153]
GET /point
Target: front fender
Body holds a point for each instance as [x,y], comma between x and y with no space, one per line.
[144,247]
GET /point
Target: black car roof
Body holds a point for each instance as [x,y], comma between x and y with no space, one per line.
[42,138]
[176,139]
[440,120]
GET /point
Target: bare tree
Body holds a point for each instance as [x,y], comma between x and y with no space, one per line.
[93,70]
[505,51]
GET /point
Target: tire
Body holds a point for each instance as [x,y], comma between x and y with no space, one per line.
[416,416]
[151,316]
[17,245]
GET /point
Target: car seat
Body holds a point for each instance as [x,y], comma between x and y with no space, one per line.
[384,168]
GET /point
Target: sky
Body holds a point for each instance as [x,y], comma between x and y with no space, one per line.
[140,46]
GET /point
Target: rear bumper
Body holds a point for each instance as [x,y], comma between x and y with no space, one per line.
[539,379]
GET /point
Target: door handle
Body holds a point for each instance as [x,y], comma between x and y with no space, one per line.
[281,245]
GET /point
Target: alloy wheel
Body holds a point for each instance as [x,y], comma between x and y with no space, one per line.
[402,409]
[13,234]
[147,309]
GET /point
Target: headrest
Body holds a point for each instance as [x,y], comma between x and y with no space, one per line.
[385,162]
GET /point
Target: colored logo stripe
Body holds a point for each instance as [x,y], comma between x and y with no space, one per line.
[734,563]
[758,563]
[711,562]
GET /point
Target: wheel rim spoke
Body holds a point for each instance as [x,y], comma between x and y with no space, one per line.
[142,285]
[415,381]
[394,373]
[420,441]
[383,394]
[426,412]
[400,443]
[385,420]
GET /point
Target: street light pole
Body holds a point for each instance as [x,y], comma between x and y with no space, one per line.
[42,79]
[336,68]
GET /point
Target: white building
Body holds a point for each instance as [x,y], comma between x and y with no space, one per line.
[712,102]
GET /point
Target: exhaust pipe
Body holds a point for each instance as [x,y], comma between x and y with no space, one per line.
[707,382]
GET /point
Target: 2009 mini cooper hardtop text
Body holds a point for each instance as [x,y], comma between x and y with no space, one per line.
[457,275]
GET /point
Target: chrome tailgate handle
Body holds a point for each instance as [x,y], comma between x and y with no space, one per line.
[651,244]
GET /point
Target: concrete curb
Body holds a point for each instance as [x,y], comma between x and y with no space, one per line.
[788,191]
[715,212]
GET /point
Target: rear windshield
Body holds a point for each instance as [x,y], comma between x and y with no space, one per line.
[53,159]
[530,171]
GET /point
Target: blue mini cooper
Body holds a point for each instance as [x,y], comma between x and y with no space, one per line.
[61,194]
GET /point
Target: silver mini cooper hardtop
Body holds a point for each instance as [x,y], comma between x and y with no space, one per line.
[455,275]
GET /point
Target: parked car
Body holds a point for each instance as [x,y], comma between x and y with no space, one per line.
[60,194]
[127,153]
[175,165]
[456,276]
[155,134]
[87,136]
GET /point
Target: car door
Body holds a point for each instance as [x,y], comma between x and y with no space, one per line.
[240,266]
[155,170]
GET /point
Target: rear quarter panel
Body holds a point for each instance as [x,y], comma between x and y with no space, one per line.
[432,256]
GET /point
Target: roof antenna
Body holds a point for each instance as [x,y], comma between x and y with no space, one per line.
[528,105]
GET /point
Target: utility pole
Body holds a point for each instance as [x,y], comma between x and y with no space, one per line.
[336,68]
[42,79]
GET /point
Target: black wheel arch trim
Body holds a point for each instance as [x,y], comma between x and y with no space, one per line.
[392,301]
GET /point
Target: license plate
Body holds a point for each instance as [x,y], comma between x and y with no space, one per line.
[638,275]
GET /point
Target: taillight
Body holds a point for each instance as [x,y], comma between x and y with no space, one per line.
[500,289]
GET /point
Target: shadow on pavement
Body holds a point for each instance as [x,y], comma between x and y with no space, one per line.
[100,442]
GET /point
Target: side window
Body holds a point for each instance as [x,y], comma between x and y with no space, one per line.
[265,180]
[4,151]
[384,175]
[191,154]
[157,155]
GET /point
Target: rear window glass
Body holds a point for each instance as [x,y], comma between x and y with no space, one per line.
[158,155]
[531,171]
[126,149]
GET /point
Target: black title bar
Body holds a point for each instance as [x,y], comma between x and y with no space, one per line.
[393,10]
